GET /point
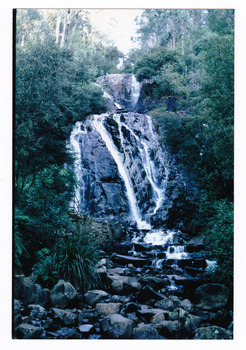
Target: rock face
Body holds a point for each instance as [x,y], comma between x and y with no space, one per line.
[123,88]
[111,149]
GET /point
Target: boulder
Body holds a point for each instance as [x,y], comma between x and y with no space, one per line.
[211,296]
[149,314]
[62,294]
[147,293]
[86,329]
[66,317]
[187,305]
[168,303]
[155,282]
[18,306]
[145,331]
[212,332]
[28,331]
[92,297]
[191,322]
[37,311]
[196,241]
[117,327]
[125,260]
[107,309]
[168,329]
[126,283]
[29,292]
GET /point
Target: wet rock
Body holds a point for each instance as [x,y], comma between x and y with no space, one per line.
[146,315]
[123,247]
[191,322]
[222,318]
[86,329]
[211,296]
[212,332]
[148,293]
[66,317]
[125,260]
[145,331]
[187,305]
[37,311]
[28,291]
[117,327]
[155,282]
[168,329]
[62,294]
[92,297]
[107,309]
[196,241]
[173,315]
[126,283]
[116,271]
[28,331]
[168,303]
[159,317]
[18,306]
[66,333]
[131,307]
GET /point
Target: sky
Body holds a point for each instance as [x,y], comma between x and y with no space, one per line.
[117,24]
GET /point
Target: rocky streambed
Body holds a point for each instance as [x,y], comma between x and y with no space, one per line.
[139,298]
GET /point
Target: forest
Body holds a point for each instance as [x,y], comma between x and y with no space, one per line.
[187,56]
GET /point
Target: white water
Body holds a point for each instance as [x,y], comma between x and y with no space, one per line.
[148,164]
[98,124]
[211,265]
[136,86]
[109,97]
[176,252]
[159,237]
[106,95]
[75,148]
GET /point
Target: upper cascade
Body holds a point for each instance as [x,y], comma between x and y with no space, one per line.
[122,91]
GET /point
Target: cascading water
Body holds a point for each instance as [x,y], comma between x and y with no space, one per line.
[98,124]
[122,169]
[75,148]
[148,164]
[136,86]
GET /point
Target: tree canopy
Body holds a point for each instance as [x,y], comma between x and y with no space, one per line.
[189,55]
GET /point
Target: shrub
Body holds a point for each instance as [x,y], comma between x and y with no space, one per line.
[74,259]
[219,237]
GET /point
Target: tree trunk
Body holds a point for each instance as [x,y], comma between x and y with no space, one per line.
[65,29]
[58,22]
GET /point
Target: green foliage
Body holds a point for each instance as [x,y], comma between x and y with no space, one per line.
[219,236]
[52,92]
[73,258]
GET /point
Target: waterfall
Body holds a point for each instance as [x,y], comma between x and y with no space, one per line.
[98,124]
[176,252]
[135,90]
[119,163]
[130,141]
[75,149]
[148,164]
